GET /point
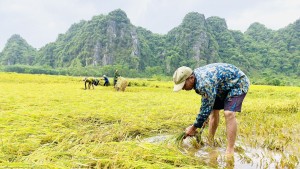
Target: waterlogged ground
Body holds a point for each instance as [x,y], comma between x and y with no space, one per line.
[51,122]
[244,157]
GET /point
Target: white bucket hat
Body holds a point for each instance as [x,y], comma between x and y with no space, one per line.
[179,77]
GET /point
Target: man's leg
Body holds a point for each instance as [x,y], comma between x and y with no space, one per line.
[213,124]
[232,105]
[231,129]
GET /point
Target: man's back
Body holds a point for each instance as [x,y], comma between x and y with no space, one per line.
[219,78]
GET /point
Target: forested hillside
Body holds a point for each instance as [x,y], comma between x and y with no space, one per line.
[18,51]
[106,42]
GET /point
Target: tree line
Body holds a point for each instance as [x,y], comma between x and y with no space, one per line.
[108,42]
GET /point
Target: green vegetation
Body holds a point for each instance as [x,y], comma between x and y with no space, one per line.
[51,122]
[18,51]
[108,41]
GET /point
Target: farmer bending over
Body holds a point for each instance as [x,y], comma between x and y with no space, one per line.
[91,82]
[222,86]
[106,81]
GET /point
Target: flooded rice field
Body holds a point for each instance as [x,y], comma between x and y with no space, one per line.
[245,157]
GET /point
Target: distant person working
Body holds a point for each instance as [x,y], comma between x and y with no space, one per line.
[91,82]
[116,77]
[106,81]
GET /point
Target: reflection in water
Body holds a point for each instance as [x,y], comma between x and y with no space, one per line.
[244,157]
[229,161]
[249,158]
[214,157]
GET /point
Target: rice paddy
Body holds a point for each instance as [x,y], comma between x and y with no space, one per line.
[51,122]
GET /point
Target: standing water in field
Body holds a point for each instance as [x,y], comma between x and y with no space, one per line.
[244,157]
[249,158]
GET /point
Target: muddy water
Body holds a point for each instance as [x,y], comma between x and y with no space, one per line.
[244,157]
[251,158]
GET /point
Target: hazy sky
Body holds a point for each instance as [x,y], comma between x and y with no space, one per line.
[40,21]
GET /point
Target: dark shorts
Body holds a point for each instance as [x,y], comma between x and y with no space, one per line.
[233,103]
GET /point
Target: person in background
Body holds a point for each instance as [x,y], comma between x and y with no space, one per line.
[90,81]
[116,77]
[222,86]
[106,81]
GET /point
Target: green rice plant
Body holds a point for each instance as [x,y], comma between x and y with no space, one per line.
[196,142]
[179,138]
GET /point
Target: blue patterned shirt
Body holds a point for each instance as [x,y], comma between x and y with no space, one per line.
[217,79]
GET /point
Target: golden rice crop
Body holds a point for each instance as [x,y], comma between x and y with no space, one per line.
[51,122]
